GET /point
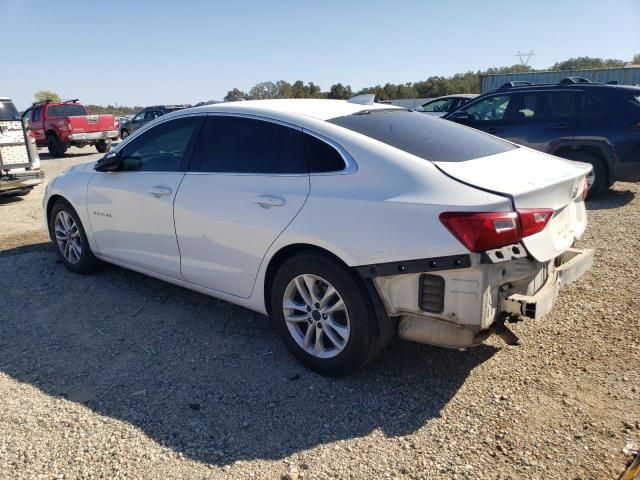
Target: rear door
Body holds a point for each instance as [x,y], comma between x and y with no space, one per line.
[247,183]
[131,211]
[537,119]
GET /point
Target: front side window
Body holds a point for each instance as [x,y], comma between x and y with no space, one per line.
[150,115]
[70,110]
[37,112]
[8,111]
[491,108]
[138,117]
[246,145]
[441,105]
[423,135]
[162,148]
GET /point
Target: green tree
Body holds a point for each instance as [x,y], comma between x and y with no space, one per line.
[581,63]
[264,90]
[235,95]
[340,92]
[636,59]
[46,95]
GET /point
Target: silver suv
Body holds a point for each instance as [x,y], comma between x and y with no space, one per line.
[19,161]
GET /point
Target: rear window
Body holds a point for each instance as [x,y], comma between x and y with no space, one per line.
[8,111]
[422,135]
[66,111]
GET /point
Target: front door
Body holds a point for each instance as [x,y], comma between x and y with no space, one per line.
[248,181]
[131,210]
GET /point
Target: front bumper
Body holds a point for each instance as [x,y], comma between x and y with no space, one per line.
[20,181]
[93,136]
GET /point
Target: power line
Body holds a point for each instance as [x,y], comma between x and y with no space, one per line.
[525,57]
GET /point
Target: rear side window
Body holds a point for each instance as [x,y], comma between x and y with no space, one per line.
[589,105]
[70,110]
[8,111]
[321,156]
[37,112]
[425,136]
[544,105]
[246,145]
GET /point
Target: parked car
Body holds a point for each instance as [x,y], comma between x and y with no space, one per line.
[145,116]
[594,123]
[59,125]
[20,169]
[448,103]
[347,221]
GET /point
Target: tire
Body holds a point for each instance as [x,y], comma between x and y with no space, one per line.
[600,177]
[351,323]
[24,192]
[56,147]
[82,262]
[124,133]
[103,146]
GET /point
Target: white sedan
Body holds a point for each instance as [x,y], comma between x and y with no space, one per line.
[348,222]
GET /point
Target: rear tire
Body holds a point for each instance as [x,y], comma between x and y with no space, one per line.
[598,178]
[56,147]
[333,334]
[103,146]
[70,239]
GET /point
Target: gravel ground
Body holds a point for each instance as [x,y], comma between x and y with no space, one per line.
[117,375]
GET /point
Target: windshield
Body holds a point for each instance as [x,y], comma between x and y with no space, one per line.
[70,110]
[422,135]
[8,111]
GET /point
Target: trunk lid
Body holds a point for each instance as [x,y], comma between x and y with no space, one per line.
[533,180]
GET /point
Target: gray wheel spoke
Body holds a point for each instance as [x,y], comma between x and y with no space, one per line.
[309,336]
[310,282]
[67,233]
[293,305]
[318,347]
[328,295]
[302,289]
[297,318]
[341,330]
[329,332]
[337,306]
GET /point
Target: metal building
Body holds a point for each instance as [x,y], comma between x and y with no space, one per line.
[623,76]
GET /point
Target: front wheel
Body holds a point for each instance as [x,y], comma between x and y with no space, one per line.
[70,239]
[103,146]
[324,315]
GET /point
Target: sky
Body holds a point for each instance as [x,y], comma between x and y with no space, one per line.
[143,52]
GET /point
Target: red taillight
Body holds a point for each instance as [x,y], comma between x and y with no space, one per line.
[481,231]
[533,220]
[585,191]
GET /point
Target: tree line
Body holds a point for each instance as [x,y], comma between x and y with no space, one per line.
[435,86]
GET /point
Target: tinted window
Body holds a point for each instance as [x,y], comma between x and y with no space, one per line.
[423,135]
[544,105]
[138,117]
[36,114]
[245,145]
[161,149]
[70,110]
[441,105]
[589,105]
[8,111]
[491,108]
[321,156]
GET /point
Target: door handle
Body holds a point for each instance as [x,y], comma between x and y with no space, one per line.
[160,191]
[492,130]
[268,201]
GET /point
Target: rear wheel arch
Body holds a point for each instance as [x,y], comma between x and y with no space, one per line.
[595,149]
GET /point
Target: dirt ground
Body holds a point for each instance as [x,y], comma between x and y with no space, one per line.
[117,375]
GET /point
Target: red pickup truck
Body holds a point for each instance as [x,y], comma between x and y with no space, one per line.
[58,125]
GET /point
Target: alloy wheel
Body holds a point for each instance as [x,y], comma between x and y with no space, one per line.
[68,237]
[316,316]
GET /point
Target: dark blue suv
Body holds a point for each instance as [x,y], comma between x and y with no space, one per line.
[575,119]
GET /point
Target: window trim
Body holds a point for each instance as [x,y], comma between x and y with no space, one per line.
[350,165]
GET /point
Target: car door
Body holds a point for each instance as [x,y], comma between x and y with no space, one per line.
[247,181]
[487,114]
[131,210]
[36,125]
[537,119]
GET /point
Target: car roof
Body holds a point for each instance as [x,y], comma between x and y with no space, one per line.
[457,95]
[563,86]
[320,109]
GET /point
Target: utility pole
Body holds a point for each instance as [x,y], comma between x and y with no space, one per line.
[525,57]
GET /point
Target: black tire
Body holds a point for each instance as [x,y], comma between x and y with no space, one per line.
[103,146]
[24,192]
[601,179]
[56,147]
[362,344]
[87,262]
[124,133]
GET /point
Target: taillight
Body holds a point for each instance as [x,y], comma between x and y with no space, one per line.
[481,231]
[30,136]
[533,220]
[585,191]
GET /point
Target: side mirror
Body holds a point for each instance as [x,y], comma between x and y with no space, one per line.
[111,162]
[459,117]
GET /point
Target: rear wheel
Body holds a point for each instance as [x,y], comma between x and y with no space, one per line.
[324,315]
[597,179]
[56,147]
[70,239]
[103,146]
